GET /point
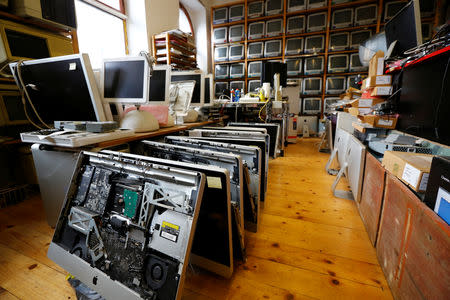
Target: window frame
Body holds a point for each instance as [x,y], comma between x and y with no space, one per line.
[186,13]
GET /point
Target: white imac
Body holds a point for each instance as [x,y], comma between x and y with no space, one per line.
[236,52]
[338,63]
[274,7]
[314,44]
[328,103]
[317,22]
[312,86]
[220,15]
[358,37]
[335,85]
[236,85]
[255,9]
[256,30]
[294,46]
[392,8]
[199,89]
[272,48]
[222,71]
[255,50]
[236,33]
[295,24]
[221,53]
[339,41]
[253,85]
[313,65]
[342,18]
[294,66]
[236,13]
[221,88]
[274,27]
[296,5]
[221,35]
[254,69]
[311,106]
[316,3]
[307,121]
[355,63]
[365,15]
[209,89]
[237,70]
[160,85]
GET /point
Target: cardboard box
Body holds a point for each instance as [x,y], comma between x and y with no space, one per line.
[376,64]
[411,168]
[382,91]
[353,111]
[385,121]
[379,80]
[366,102]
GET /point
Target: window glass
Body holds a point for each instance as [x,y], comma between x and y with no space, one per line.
[184,24]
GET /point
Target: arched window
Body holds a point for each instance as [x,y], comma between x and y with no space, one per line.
[185,23]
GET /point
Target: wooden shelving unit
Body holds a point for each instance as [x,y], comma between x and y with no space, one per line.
[177,51]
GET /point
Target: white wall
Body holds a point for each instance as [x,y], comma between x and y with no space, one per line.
[136,26]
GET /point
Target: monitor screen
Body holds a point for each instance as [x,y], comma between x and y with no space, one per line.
[360,36]
[314,42]
[427,7]
[366,12]
[338,61]
[311,84]
[237,31]
[295,44]
[274,5]
[256,28]
[236,11]
[253,85]
[221,52]
[339,40]
[255,48]
[236,85]
[237,50]
[208,91]
[317,20]
[255,8]
[296,23]
[158,85]
[254,67]
[356,62]
[220,33]
[342,16]
[392,8]
[294,65]
[273,46]
[314,63]
[336,83]
[197,77]
[221,70]
[124,79]
[312,104]
[221,88]
[295,3]
[220,13]
[274,26]
[237,69]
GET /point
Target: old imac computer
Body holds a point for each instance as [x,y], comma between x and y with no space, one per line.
[221,35]
[316,3]
[311,106]
[272,48]
[296,5]
[336,85]
[365,15]
[339,41]
[236,13]
[328,102]
[209,89]
[358,37]
[221,53]
[160,85]
[270,68]
[222,71]
[295,24]
[274,27]
[254,69]
[338,63]
[294,66]
[221,88]
[392,8]
[236,52]
[237,71]
[312,86]
[236,85]
[255,50]
[220,15]
[255,9]
[314,65]
[355,63]
[342,18]
[256,30]
[427,31]
[253,85]
[427,8]
[236,33]
[314,44]
[11,109]
[294,46]
[274,7]
[199,89]
[317,22]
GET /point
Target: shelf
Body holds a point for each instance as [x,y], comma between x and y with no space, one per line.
[305,34]
[307,11]
[264,18]
[266,58]
[280,37]
[229,24]
[229,62]
[346,73]
[354,3]
[342,51]
[228,44]
[354,28]
[304,55]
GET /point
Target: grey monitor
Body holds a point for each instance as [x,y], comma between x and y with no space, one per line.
[220,15]
[253,85]
[254,69]
[236,85]
[274,7]
[314,65]
[311,106]
[255,50]
[339,41]
[355,63]
[222,71]
[256,30]
[317,22]
[314,44]
[392,8]
[236,33]
[255,9]
[366,14]
[294,66]
[342,18]
[294,46]
[236,13]
[296,5]
[295,24]
[237,70]
[272,48]
[338,63]
[317,3]
[221,53]
[274,27]
[221,35]
[221,88]
[336,85]
[358,37]
[236,52]
[312,86]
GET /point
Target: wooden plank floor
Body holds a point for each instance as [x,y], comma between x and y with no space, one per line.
[311,245]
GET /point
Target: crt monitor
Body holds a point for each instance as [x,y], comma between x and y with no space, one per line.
[253,85]
[269,69]
[296,5]
[274,7]
[199,89]
[222,71]
[311,106]
[336,85]
[236,13]
[312,86]
[160,85]
[294,66]
[339,41]
[314,44]
[427,31]
[328,102]
[355,63]
[294,46]
[254,69]
[239,85]
[63,88]
[338,63]
[11,109]
[405,29]
[366,14]
[342,18]
[295,24]
[209,88]
[316,3]
[274,27]
[392,8]
[272,48]
[255,9]
[256,30]
[221,53]
[255,50]
[237,70]
[236,33]
[236,52]
[427,8]
[317,22]
[220,15]
[313,65]
[358,37]
[221,35]
[221,88]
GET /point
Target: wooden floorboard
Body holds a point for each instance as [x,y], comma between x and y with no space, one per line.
[310,245]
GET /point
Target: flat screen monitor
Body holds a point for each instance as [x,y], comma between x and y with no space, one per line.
[272,48]
[365,15]
[405,28]
[296,5]
[64,88]
[269,69]
[317,22]
[314,44]
[313,65]
[236,13]
[220,15]
[427,31]
[222,71]
[294,46]
[294,66]
[316,3]
[11,109]
[392,8]
[255,9]
[199,89]
[236,33]
[355,157]
[221,88]
[221,35]
[256,30]
[355,63]
[274,27]
[311,106]
[336,85]
[254,69]
[339,41]
[209,88]
[358,37]
[160,85]
[338,63]
[237,70]
[274,7]
[253,85]
[221,53]
[312,86]
[236,85]
[236,52]
[427,8]
[255,50]
[295,24]
[342,18]
[328,102]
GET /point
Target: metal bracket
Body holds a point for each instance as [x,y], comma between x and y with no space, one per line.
[330,161]
[177,200]
[340,193]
